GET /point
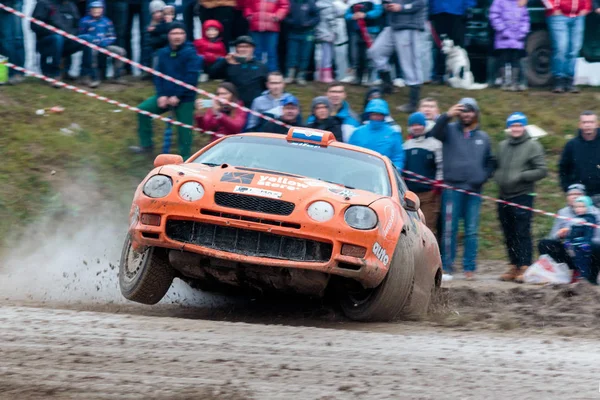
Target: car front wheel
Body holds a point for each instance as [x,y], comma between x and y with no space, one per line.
[144,277]
[387,301]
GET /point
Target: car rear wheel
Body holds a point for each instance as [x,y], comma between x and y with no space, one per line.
[144,277]
[539,59]
[387,301]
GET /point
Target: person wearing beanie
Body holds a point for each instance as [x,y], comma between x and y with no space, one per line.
[290,115]
[423,155]
[98,29]
[520,163]
[378,135]
[222,118]
[571,242]
[468,164]
[180,61]
[322,119]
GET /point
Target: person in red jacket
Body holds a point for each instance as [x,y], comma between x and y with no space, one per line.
[265,17]
[210,47]
[221,118]
[566,22]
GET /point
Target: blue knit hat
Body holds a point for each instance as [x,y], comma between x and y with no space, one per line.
[417,118]
[516,118]
[585,200]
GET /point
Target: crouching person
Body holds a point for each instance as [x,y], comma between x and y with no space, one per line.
[423,155]
[180,61]
[98,29]
[521,163]
[564,243]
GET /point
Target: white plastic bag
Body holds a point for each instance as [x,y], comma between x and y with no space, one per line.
[546,270]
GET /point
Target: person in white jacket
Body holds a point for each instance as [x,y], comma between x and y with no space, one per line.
[327,34]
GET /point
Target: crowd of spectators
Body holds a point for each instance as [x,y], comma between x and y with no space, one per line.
[239,45]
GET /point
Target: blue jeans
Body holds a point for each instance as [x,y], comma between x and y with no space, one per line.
[12,43]
[266,42]
[457,206]
[56,47]
[567,38]
[299,49]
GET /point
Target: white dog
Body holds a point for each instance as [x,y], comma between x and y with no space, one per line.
[458,67]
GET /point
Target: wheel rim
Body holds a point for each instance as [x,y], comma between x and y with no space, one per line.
[359,297]
[134,263]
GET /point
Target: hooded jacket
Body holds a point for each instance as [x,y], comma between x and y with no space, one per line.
[511,24]
[412,16]
[468,159]
[521,163]
[266,15]
[265,104]
[60,14]
[349,120]
[379,136]
[183,64]
[329,14]
[225,124]
[211,50]
[100,29]
[568,212]
[580,163]
[364,118]
[570,8]
[454,7]
[303,16]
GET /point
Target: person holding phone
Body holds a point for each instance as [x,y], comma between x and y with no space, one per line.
[468,164]
[220,116]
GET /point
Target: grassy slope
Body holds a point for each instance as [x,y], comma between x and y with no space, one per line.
[32,146]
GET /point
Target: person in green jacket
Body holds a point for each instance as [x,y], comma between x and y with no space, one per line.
[521,163]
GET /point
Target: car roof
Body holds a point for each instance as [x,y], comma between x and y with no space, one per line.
[334,143]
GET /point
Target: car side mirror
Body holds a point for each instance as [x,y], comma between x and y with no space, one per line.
[412,202]
[167,159]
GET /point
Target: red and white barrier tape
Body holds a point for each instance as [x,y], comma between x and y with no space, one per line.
[135,64]
[422,179]
[109,101]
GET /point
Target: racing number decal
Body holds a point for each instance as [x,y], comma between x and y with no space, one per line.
[381,254]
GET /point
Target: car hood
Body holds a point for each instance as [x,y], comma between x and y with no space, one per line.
[269,184]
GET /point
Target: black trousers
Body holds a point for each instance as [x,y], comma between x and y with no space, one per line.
[556,250]
[454,27]
[516,226]
[510,56]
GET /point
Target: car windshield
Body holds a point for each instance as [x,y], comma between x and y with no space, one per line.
[349,168]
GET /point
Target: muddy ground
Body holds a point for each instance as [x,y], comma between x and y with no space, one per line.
[484,339]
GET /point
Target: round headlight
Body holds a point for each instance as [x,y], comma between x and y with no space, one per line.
[320,211]
[158,186]
[361,217]
[191,191]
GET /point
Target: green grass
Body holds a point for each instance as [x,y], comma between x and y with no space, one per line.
[32,146]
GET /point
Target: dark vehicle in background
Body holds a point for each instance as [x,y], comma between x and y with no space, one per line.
[539,49]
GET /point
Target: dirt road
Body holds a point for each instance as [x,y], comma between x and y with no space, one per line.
[66,354]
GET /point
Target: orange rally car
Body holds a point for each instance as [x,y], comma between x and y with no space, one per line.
[300,213]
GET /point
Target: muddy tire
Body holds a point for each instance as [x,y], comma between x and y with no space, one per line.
[387,301]
[144,277]
[539,58]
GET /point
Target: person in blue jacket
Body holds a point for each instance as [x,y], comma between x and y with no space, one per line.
[98,29]
[378,135]
[180,61]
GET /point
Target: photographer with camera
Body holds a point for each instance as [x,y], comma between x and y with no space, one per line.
[241,68]
[468,164]
[220,117]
